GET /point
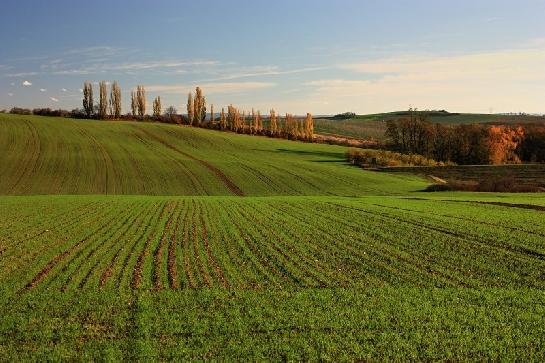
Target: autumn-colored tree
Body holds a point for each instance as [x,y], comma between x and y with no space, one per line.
[141,101]
[253,122]
[199,107]
[115,101]
[503,142]
[88,99]
[223,120]
[272,123]
[290,127]
[190,108]
[308,127]
[157,107]
[134,104]
[259,121]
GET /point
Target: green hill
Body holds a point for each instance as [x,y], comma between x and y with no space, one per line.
[40,155]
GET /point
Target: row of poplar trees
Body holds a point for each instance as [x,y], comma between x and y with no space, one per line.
[234,120]
[107,107]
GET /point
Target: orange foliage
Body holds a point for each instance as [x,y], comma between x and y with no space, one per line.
[502,142]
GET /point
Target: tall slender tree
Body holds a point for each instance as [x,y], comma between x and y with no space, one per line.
[141,101]
[223,120]
[199,107]
[273,123]
[190,108]
[88,99]
[211,113]
[309,127]
[157,107]
[103,100]
[115,101]
[134,104]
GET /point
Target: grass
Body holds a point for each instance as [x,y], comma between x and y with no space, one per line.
[134,277]
[234,247]
[40,155]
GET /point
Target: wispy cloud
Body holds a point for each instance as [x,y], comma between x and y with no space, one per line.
[262,71]
[21,74]
[54,99]
[43,89]
[27,83]
[510,80]
[211,88]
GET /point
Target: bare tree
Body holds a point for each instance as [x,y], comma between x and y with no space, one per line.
[171,113]
[141,101]
[103,100]
[115,100]
[88,99]
[199,107]
[223,120]
[190,108]
[134,104]
[309,127]
[157,107]
[273,123]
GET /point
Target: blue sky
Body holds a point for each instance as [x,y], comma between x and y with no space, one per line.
[321,56]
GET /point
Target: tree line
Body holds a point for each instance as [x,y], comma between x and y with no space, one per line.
[466,144]
[234,120]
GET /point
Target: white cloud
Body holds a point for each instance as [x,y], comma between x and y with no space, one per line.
[10,94]
[43,89]
[27,83]
[210,88]
[81,90]
[54,99]
[64,90]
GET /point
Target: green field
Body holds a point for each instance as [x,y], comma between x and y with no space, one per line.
[131,241]
[373,126]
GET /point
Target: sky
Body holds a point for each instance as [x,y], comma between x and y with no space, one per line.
[296,56]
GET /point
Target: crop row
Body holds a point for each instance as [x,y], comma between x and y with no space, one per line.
[173,243]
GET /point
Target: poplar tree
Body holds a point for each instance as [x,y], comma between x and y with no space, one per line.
[190,108]
[141,101]
[115,100]
[88,98]
[273,125]
[157,107]
[223,120]
[211,113]
[134,104]
[199,107]
[103,100]
[309,127]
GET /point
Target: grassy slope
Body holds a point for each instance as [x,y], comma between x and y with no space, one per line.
[374,125]
[406,278]
[41,155]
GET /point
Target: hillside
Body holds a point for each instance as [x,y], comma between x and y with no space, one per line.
[41,155]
